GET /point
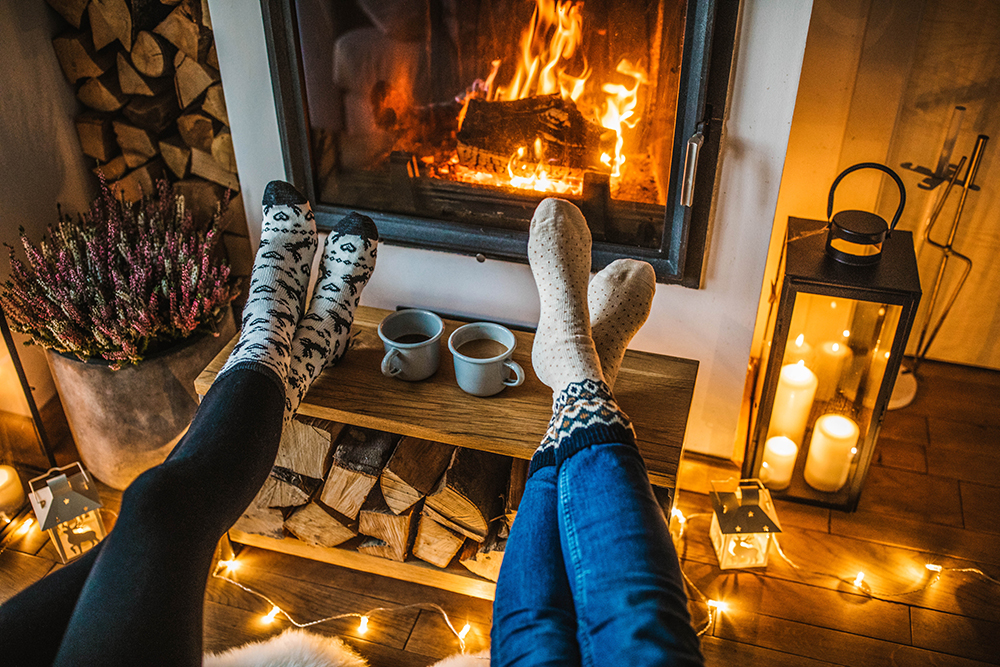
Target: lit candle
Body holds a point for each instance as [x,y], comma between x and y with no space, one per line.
[779,461]
[798,350]
[11,491]
[830,452]
[792,402]
[829,365]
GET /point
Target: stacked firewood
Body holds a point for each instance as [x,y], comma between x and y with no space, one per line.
[147,75]
[389,496]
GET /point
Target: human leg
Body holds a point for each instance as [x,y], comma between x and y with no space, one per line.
[643,576]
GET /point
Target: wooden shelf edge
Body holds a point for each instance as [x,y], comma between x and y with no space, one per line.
[455,578]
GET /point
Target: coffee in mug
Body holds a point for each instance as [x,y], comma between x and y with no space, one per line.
[482,355]
[411,340]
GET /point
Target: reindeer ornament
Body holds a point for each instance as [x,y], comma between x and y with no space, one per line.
[67,505]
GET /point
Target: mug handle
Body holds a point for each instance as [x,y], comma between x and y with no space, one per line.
[388,369]
[518,372]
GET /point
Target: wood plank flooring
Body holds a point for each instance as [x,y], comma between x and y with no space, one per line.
[931,497]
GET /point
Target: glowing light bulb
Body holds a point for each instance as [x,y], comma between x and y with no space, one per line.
[718,605]
[230,565]
[677,514]
[934,568]
[858,580]
[25,527]
[847,333]
[271,614]
[464,631]
[363,625]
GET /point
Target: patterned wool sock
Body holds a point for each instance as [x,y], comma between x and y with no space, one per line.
[277,283]
[620,297]
[321,338]
[559,254]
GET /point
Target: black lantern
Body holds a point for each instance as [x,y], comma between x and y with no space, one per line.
[24,448]
[835,339]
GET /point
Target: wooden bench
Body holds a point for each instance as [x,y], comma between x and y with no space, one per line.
[654,390]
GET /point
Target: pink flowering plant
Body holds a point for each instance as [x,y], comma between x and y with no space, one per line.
[122,282]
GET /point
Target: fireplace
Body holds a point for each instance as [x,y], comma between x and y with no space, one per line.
[448,121]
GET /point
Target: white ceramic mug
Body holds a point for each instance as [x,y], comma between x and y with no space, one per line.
[411,340]
[482,353]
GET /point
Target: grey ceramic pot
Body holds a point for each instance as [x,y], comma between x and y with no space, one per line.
[127,421]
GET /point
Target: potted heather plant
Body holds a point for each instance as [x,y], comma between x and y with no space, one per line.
[131,302]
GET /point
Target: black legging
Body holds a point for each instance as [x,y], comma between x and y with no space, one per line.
[137,597]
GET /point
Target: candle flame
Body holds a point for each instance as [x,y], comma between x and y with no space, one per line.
[363,626]
[859,579]
[799,340]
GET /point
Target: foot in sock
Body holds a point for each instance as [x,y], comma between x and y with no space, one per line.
[559,254]
[278,282]
[619,297]
[321,338]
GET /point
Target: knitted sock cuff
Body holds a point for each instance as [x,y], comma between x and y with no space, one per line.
[258,367]
[586,414]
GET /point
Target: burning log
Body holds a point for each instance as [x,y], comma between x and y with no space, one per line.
[413,471]
[358,460]
[545,129]
[470,492]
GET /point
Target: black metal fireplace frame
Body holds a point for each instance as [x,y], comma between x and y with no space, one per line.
[709,37]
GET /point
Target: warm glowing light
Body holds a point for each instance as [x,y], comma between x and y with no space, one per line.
[464,631]
[718,605]
[677,514]
[801,338]
[934,568]
[271,614]
[854,450]
[620,107]
[363,625]
[858,580]
[25,527]
[230,565]
[847,333]
[836,347]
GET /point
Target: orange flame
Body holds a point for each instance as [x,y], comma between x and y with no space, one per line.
[547,49]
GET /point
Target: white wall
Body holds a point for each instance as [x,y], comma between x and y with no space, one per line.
[40,159]
[713,325]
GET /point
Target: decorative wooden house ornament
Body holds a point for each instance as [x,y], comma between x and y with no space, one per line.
[742,524]
[67,505]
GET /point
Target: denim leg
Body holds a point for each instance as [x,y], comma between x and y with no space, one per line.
[533,618]
[623,570]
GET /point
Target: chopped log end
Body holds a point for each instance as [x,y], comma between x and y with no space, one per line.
[315,525]
[277,493]
[484,559]
[377,520]
[376,547]
[304,449]
[264,521]
[346,490]
[436,544]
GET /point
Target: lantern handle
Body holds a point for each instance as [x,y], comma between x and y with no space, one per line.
[870,165]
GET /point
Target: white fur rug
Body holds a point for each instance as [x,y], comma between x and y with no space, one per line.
[298,648]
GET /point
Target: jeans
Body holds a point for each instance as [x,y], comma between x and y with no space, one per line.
[137,597]
[590,575]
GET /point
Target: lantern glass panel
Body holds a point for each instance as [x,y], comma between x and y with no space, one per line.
[835,337]
[77,536]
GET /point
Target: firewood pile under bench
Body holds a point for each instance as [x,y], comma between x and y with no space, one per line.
[388,477]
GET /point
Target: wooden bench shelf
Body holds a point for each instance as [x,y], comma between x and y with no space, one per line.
[654,390]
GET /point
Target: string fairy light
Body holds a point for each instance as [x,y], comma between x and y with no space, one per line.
[715,607]
[226,566]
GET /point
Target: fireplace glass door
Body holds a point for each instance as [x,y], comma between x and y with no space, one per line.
[449,120]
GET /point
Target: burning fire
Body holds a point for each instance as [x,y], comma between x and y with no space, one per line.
[549,50]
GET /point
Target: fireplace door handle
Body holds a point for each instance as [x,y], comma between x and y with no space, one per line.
[691,167]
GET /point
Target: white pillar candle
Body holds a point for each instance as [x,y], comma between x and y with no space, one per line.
[831,449]
[829,365]
[11,491]
[798,350]
[779,461]
[793,400]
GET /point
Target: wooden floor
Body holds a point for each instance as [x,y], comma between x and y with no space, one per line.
[931,496]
